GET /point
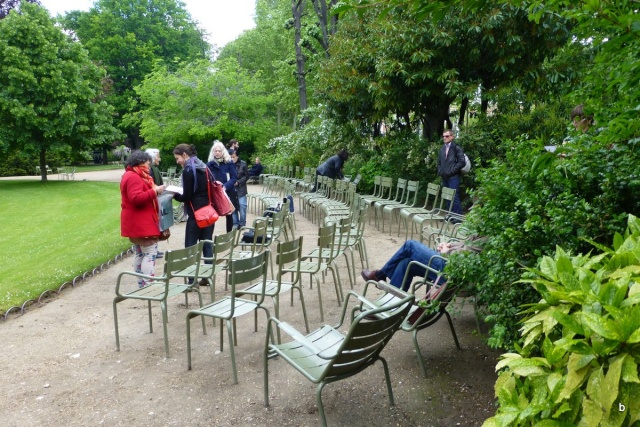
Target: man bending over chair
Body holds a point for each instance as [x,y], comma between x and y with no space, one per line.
[412,250]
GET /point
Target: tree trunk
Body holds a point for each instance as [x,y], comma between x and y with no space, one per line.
[43,164]
[297,7]
[435,118]
[327,25]
[463,110]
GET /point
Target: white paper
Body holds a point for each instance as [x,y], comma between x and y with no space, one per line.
[173,189]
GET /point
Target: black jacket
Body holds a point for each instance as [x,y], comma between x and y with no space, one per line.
[453,163]
[194,199]
[243,176]
[332,167]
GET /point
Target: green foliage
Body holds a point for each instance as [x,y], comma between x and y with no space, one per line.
[200,102]
[609,85]
[581,342]
[51,93]
[130,37]
[69,227]
[585,192]
[408,70]
[266,50]
[320,139]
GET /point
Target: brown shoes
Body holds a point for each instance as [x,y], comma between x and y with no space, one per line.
[372,275]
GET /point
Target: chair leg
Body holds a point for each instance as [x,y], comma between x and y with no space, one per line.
[304,308]
[337,283]
[165,320]
[115,322]
[419,354]
[150,319]
[387,377]
[453,331]
[189,316]
[323,418]
[204,328]
[319,298]
[231,350]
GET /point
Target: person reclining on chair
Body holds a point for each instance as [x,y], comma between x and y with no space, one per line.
[256,169]
[412,250]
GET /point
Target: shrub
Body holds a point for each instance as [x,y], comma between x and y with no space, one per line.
[533,201]
[579,361]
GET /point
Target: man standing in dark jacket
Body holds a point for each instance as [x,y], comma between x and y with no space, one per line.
[240,215]
[450,163]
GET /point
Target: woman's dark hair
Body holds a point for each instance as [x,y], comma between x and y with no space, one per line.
[137,158]
[190,150]
[578,111]
[343,154]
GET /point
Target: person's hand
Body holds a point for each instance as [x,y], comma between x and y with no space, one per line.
[160,189]
[444,248]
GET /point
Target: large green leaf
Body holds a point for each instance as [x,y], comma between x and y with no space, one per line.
[577,370]
[602,326]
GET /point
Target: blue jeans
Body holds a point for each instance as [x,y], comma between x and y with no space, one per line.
[193,234]
[411,250]
[240,215]
[453,182]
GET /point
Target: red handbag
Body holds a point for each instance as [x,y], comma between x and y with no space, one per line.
[220,200]
[206,215]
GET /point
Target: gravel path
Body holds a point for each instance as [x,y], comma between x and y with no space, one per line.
[61,368]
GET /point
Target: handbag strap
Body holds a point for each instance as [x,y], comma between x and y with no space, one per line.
[206,171]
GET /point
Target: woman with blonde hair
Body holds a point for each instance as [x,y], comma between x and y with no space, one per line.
[224,170]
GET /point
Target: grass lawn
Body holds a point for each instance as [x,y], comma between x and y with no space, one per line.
[54,231]
[92,168]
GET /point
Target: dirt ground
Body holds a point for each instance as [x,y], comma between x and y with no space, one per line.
[60,366]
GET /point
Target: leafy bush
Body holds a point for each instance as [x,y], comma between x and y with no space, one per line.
[579,361]
[529,206]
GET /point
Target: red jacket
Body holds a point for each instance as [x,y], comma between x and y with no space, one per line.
[139,215]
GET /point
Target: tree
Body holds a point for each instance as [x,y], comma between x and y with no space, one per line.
[267,50]
[129,37]
[200,102]
[51,93]
[398,67]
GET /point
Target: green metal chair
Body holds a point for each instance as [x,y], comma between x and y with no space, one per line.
[445,205]
[288,256]
[327,355]
[319,264]
[378,205]
[430,201]
[222,246]
[410,201]
[250,270]
[434,305]
[161,288]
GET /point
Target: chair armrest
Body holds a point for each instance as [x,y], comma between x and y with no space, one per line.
[298,337]
[134,274]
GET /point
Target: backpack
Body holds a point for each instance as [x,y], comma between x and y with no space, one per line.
[467,165]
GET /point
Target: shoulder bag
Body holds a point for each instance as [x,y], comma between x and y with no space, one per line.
[206,215]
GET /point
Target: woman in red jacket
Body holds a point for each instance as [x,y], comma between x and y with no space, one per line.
[139,215]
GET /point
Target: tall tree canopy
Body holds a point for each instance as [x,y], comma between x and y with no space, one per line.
[51,93]
[129,37]
[397,66]
[202,101]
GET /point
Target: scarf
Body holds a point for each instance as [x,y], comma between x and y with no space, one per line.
[192,164]
[142,170]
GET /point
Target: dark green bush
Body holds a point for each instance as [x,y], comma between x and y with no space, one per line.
[533,201]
